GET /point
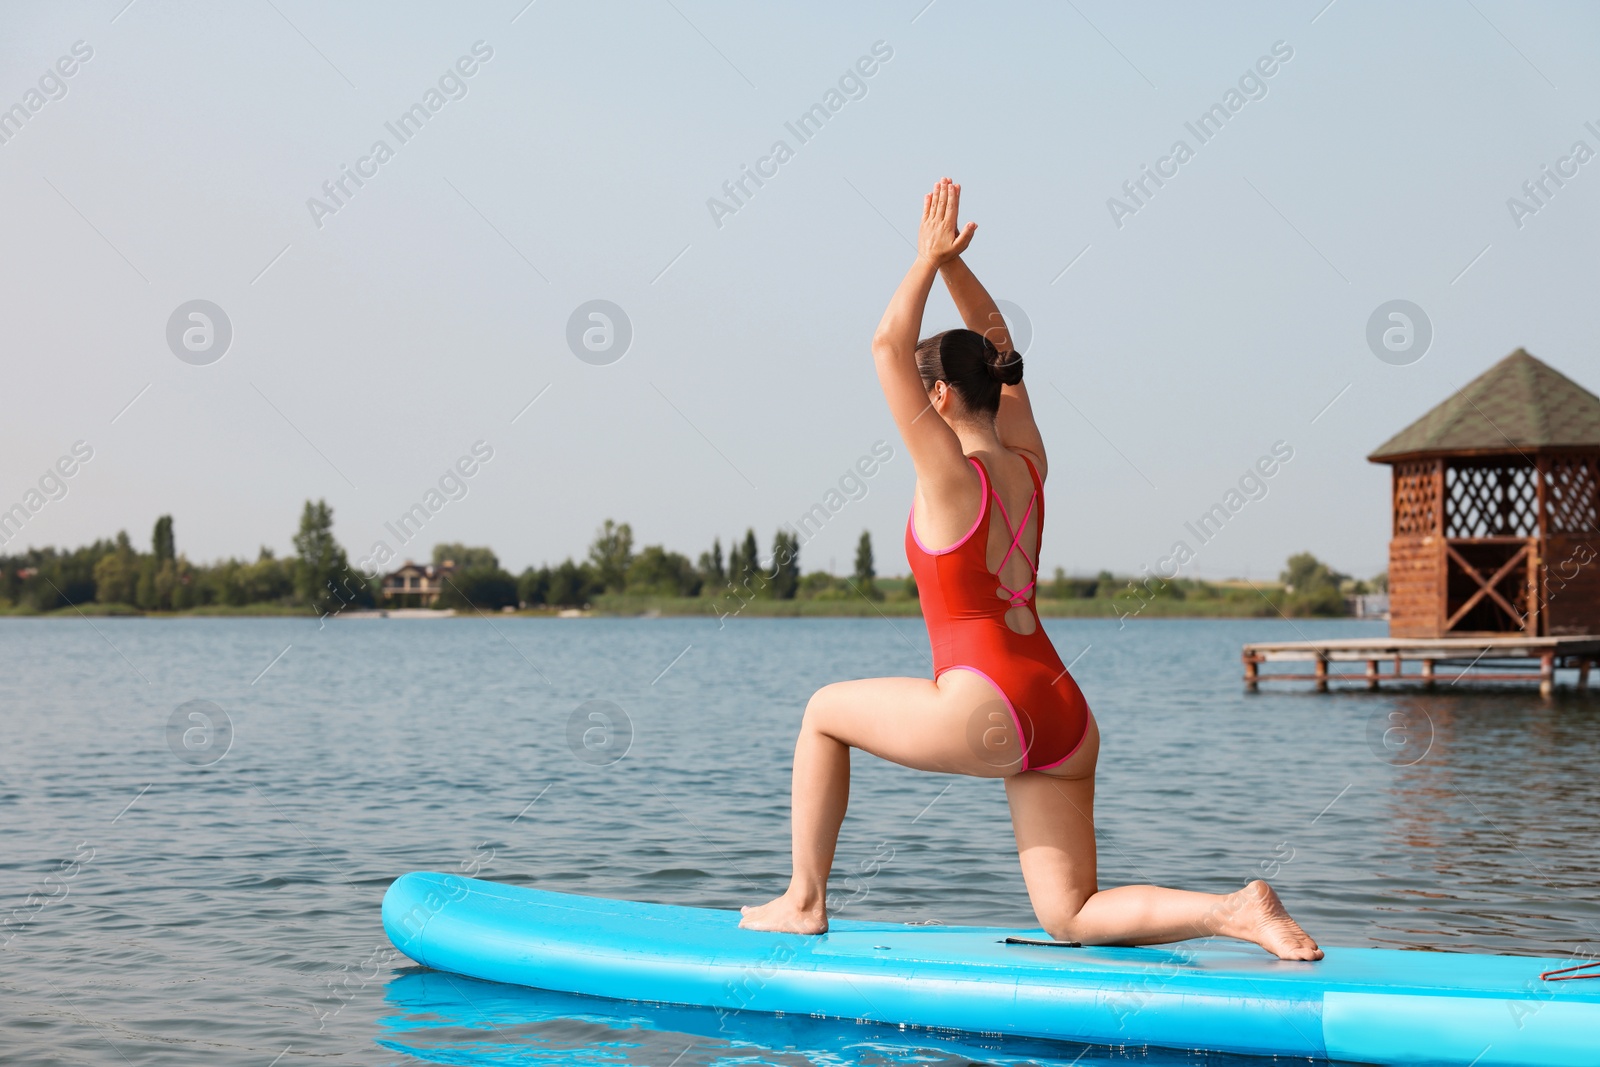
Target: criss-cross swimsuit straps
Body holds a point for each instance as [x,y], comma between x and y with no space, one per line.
[1019,597]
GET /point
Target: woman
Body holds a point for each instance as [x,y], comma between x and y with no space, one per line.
[1001,704]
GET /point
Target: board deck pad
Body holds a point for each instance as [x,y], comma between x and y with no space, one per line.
[1360,1004]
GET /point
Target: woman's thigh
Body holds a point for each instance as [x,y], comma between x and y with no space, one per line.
[1053,818]
[1052,813]
[957,725]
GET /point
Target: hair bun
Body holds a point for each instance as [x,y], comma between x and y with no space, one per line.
[1006,367]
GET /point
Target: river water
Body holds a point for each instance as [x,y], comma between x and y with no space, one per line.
[172,902]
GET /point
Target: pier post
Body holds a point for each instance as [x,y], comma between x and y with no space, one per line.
[1372,674]
[1547,674]
[1427,674]
[1322,672]
[1583,674]
[1252,673]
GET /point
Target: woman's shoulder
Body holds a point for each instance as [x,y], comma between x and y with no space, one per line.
[1010,456]
[1035,462]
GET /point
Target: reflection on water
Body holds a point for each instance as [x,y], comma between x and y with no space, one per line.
[440,1018]
[167,912]
[1494,804]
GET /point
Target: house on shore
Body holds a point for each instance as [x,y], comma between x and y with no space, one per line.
[416,585]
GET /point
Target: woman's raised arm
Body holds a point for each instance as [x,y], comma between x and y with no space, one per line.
[978,311]
[935,450]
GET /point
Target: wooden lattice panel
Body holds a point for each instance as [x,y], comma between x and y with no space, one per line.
[1499,501]
[1570,495]
[1416,499]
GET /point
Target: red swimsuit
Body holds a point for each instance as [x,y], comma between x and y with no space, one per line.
[966,623]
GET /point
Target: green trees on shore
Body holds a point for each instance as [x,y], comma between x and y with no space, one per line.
[114,575]
[1311,587]
[318,578]
[1307,586]
[612,566]
[322,575]
[866,575]
[477,581]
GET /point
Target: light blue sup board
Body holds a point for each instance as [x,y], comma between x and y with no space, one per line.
[1364,1005]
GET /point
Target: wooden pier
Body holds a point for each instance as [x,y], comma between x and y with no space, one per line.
[1442,659]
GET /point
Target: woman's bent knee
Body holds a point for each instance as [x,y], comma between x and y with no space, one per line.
[820,710]
[1060,928]
[1062,923]
[816,707]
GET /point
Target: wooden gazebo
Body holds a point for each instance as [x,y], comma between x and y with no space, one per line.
[1497,509]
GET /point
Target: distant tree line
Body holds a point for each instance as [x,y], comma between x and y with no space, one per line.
[1306,586]
[612,566]
[115,574]
[319,577]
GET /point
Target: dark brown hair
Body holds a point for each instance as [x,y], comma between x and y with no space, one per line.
[971,365]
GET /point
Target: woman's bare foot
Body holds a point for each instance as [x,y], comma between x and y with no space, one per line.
[787,916]
[1256,914]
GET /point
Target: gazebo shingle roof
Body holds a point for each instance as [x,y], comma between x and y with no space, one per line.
[1519,404]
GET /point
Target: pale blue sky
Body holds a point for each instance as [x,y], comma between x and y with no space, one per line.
[372,352]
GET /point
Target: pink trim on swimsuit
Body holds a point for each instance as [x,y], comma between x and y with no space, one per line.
[1023,740]
[1074,752]
[911,519]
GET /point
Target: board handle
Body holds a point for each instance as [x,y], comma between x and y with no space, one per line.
[1568,976]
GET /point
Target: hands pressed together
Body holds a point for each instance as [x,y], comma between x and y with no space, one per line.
[940,238]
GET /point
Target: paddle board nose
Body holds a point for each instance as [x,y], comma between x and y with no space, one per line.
[412,901]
